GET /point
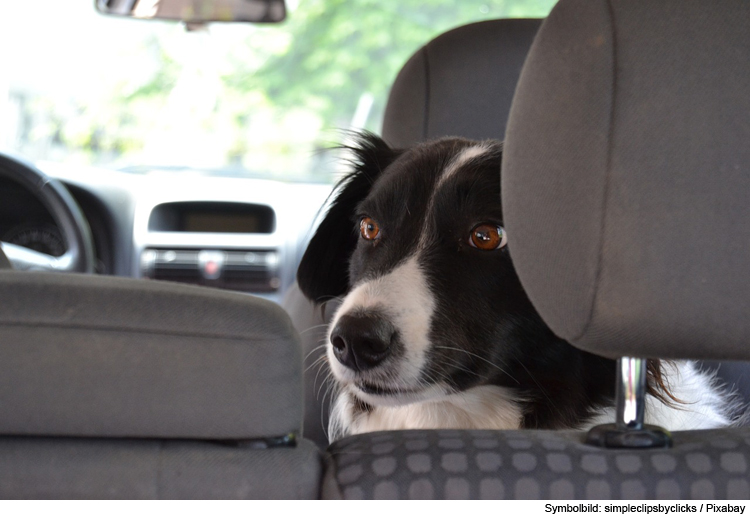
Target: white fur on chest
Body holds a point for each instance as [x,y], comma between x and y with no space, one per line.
[705,406]
[486,407]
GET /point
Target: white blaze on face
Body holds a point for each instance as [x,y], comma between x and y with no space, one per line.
[461,159]
[404,297]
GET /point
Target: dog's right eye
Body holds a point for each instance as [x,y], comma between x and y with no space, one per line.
[488,237]
[369,229]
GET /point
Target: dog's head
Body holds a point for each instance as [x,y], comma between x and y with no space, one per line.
[414,241]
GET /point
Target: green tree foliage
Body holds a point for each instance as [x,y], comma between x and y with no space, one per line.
[338,50]
[262,98]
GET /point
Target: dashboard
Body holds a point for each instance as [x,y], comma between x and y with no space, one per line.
[239,234]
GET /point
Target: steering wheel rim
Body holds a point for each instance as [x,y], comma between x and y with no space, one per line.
[79,257]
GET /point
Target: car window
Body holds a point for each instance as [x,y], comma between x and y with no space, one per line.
[231,99]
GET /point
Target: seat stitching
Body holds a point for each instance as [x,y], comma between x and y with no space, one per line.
[426,114]
[607,179]
[145,331]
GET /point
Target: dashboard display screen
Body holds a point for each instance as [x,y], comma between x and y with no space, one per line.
[212,217]
[216,222]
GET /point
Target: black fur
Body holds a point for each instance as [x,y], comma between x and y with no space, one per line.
[322,271]
[481,307]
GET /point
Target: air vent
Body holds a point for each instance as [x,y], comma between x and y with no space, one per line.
[247,271]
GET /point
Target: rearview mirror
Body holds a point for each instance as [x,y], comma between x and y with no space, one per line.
[197,11]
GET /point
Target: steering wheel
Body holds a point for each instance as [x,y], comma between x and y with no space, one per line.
[79,256]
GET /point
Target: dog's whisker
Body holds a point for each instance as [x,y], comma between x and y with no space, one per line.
[314,350]
[319,362]
[477,356]
[326,378]
[317,348]
[330,394]
[429,380]
[454,363]
[314,362]
[324,325]
[327,390]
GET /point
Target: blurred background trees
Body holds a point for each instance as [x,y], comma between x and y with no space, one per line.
[258,99]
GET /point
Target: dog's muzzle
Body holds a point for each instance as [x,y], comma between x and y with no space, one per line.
[361,342]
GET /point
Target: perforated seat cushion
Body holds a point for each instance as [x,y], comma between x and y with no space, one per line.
[536,465]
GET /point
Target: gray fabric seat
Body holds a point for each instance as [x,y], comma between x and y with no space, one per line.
[552,465]
[123,388]
[617,144]
[628,130]
[42,467]
[461,84]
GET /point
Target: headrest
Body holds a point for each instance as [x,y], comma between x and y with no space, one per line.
[459,84]
[626,177]
[83,355]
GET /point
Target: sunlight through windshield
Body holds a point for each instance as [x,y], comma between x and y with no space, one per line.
[263,101]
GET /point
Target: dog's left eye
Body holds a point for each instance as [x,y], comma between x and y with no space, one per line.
[488,237]
[369,229]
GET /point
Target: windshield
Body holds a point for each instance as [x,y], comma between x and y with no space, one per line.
[237,99]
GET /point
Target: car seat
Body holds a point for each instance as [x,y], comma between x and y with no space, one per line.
[625,183]
[118,388]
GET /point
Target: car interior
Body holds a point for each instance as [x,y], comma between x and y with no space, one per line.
[188,365]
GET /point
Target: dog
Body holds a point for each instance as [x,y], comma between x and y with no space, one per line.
[434,330]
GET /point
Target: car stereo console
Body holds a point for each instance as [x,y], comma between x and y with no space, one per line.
[228,245]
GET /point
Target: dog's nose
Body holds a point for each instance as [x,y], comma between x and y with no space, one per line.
[361,342]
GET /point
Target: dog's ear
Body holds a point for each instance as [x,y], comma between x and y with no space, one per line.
[324,270]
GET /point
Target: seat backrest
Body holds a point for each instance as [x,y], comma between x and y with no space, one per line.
[122,388]
[459,84]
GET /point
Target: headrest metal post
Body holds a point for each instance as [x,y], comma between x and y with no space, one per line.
[630,393]
[629,430]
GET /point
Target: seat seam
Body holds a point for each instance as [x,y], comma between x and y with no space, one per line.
[607,178]
[130,330]
[426,110]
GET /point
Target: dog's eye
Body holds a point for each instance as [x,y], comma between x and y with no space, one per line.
[369,228]
[488,237]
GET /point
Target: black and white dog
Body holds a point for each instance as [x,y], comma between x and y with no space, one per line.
[435,330]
